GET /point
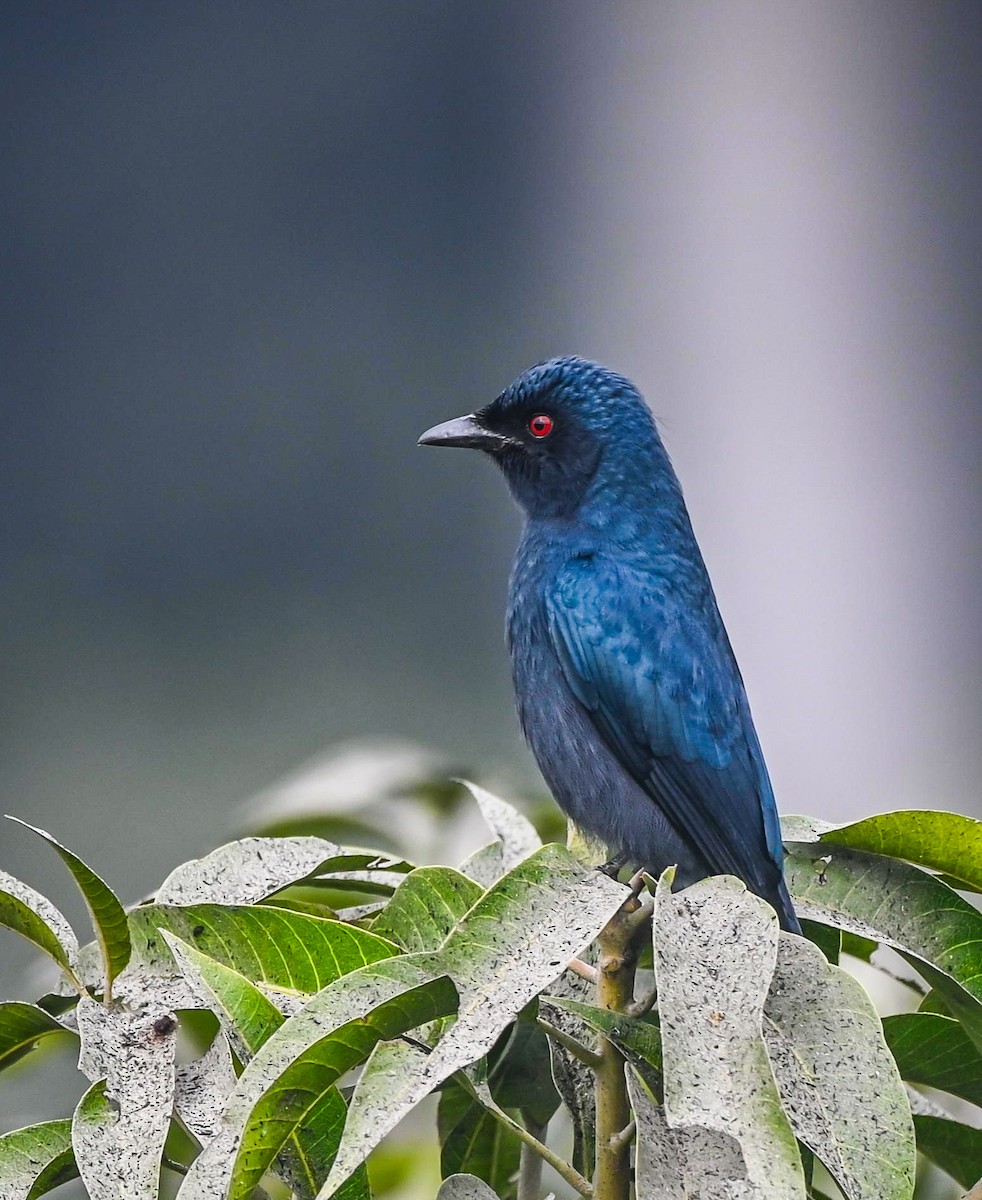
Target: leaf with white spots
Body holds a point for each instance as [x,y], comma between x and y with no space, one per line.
[515,832]
[715,949]
[465,1187]
[36,1159]
[686,1163]
[514,942]
[838,1081]
[246,871]
[484,866]
[574,1080]
[201,1088]
[120,1125]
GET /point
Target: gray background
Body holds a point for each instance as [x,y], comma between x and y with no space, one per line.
[250,251]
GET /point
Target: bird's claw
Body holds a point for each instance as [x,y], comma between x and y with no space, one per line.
[614,866]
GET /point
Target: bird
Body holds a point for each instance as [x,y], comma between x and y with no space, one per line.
[627,688]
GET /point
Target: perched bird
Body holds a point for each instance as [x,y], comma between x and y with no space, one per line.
[627,688]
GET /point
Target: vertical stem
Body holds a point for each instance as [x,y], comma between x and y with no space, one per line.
[530,1165]
[615,991]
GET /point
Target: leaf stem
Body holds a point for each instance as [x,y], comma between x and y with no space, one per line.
[585,1055]
[559,1164]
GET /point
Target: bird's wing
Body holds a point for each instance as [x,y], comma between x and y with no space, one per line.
[651,663]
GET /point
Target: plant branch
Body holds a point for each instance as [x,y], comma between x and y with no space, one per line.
[584,970]
[585,1055]
[615,991]
[640,1007]
[626,1135]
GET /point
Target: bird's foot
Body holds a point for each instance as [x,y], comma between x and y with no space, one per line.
[615,865]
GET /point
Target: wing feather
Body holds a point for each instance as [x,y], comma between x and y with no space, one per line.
[651,663]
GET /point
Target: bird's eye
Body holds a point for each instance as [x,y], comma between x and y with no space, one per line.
[540,425]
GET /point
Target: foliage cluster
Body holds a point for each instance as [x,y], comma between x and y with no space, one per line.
[692,1048]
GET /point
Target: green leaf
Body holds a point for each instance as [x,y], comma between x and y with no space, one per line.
[249,1019]
[715,952]
[934,1051]
[958,1004]
[835,1075]
[955,1148]
[638,1037]
[889,901]
[36,1159]
[856,946]
[306,1158]
[933,1002]
[364,883]
[826,938]
[266,944]
[426,906]
[519,1075]
[473,1142]
[303,1059]
[34,917]
[514,942]
[106,912]
[22,1026]
[943,841]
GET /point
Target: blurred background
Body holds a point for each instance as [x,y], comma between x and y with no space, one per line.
[251,251]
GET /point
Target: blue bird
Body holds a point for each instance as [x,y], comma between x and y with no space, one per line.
[627,688]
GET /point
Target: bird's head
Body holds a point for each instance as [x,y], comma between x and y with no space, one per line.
[564,429]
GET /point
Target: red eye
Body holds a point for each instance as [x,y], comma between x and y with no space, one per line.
[540,425]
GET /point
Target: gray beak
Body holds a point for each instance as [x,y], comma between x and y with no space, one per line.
[463,431]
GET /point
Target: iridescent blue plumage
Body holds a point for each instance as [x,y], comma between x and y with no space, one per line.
[627,688]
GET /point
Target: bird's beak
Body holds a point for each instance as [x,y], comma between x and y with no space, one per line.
[463,431]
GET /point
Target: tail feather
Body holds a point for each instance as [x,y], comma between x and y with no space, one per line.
[785,909]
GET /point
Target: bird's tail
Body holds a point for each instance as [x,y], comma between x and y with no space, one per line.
[785,909]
